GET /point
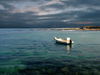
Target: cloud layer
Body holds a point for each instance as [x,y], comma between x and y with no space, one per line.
[49,13]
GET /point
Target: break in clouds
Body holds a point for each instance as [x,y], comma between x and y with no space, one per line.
[49,13]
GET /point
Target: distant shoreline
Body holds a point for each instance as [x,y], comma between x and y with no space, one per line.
[85,28]
[80,29]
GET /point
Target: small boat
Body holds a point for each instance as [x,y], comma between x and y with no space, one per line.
[62,41]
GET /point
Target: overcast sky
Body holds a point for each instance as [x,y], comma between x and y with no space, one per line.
[49,13]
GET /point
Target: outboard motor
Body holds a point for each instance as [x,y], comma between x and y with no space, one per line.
[70,41]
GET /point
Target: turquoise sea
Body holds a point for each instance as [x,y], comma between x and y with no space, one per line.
[29,51]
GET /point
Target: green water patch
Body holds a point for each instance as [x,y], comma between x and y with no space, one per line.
[53,67]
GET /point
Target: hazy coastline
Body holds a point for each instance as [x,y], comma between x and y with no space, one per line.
[86,28]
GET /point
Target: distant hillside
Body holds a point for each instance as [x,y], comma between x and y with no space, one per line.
[90,28]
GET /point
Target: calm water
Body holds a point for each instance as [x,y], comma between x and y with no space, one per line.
[34,52]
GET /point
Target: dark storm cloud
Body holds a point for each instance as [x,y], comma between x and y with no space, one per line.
[18,0]
[17,19]
[81,2]
[51,13]
[6,6]
[92,16]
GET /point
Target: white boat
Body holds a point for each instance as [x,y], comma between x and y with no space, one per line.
[62,41]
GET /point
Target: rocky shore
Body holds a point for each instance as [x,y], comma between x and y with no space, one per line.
[90,28]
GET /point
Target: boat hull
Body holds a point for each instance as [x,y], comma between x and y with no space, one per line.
[61,41]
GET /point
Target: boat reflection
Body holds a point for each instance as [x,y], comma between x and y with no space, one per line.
[67,47]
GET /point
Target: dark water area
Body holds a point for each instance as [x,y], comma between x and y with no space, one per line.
[28,51]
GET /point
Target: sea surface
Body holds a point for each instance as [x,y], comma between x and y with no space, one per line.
[33,51]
